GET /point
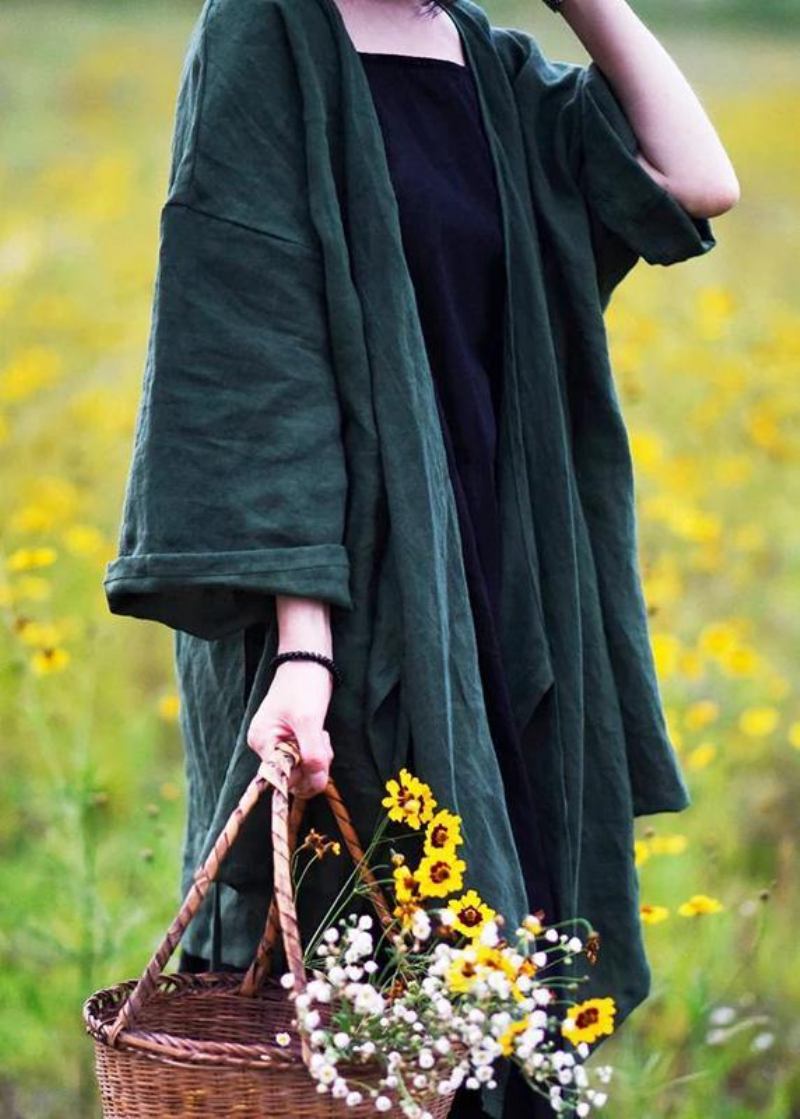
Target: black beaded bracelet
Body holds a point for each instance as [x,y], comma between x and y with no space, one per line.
[304,655]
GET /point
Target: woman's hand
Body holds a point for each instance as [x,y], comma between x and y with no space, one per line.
[297,701]
[295,707]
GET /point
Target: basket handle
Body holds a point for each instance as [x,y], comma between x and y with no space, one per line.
[282,916]
[260,967]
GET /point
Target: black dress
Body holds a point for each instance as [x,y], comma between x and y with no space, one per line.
[449,208]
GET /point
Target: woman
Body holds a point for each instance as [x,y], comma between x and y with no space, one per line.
[378,423]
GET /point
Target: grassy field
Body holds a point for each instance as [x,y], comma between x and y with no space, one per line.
[707,361]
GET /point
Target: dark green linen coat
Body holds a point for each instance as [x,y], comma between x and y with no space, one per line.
[287,442]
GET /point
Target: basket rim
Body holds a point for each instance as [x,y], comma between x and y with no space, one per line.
[95,1014]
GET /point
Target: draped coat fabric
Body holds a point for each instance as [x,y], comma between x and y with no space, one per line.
[287,442]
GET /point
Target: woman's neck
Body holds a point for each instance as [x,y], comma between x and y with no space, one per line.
[401,27]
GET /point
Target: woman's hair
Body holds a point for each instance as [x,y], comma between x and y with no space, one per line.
[427,5]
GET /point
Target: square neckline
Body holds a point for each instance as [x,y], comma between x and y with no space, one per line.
[414,59]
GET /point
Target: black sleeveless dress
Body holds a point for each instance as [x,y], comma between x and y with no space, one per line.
[442,172]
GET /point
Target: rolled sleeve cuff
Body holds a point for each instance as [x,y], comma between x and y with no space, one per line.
[626,197]
[211,595]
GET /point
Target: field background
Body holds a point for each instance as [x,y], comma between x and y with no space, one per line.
[707,358]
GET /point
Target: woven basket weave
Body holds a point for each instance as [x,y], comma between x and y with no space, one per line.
[202,1045]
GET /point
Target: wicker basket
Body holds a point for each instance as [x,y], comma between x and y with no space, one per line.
[201,1045]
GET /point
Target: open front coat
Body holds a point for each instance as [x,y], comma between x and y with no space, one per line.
[287,442]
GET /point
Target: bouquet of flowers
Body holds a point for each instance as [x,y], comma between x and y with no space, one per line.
[444,990]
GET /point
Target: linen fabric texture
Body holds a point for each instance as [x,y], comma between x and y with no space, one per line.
[287,442]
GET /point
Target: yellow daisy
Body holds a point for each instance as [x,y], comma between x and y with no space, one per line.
[440,874]
[653,914]
[590,1019]
[443,833]
[471,913]
[699,904]
[48,660]
[506,1038]
[462,972]
[409,801]
[406,884]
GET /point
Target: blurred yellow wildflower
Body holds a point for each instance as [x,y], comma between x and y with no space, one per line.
[24,559]
[700,714]
[698,905]
[48,660]
[701,756]
[668,844]
[794,735]
[86,541]
[169,707]
[757,722]
[653,914]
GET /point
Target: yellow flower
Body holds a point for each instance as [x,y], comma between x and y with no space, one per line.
[410,800]
[38,633]
[666,651]
[757,722]
[23,559]
[701,713]
[471,913]
[702,755]
[699,904]
[588,1020]
[443,832]
[50,659]
[86,541]
[506,1038]
[169,707]
[794,735]
[641,851]
[668,844]
[405,911]
[462,971]
[653,914]
[440,874]
[406,884]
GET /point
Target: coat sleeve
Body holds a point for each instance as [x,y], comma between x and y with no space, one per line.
[573,113]
[237,483]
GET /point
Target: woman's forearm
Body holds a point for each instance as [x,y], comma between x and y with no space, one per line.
[303,623]
[679,145]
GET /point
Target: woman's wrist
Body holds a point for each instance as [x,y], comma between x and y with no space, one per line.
[303,623]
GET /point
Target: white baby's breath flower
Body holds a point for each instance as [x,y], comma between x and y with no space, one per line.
[283,1038]
[382,1103]
[722,1015]
[426,1058]
[312,1019]
[353,1099]
[552,935]
[319,991]
[341,1039]
[599,1099]
[287,980]
[574,944]
[339,1089]
[539,958]
[370,966]
[365,922]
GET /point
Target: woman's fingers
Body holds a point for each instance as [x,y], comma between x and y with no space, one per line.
[310,776]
